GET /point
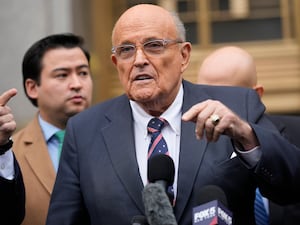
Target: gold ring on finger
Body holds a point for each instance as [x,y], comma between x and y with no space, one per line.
[215,119]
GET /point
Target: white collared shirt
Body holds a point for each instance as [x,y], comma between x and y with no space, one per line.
[170,132]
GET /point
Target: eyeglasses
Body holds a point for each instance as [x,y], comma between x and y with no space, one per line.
[153,47]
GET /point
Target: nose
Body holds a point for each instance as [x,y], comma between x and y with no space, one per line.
[75,82]
[140,58]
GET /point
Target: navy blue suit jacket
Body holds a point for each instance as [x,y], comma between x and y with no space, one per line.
[289,127]
[98,180]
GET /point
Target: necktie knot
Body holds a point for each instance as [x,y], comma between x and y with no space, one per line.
[155,125]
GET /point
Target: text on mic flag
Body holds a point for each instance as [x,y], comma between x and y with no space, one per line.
[212,213]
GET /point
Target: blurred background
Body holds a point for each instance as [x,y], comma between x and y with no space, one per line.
[268,29]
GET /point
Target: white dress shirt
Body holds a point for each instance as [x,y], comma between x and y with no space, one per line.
[170,132]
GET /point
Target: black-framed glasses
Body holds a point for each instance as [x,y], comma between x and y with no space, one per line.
[153,47]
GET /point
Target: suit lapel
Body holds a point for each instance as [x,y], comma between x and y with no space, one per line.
[122,152]
[37,156]
[191,153]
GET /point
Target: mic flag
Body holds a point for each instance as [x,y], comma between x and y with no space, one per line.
[211,210]
[212,213]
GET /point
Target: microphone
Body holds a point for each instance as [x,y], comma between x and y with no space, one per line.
[211,209]
[139,220]
[158,208]
[161,170]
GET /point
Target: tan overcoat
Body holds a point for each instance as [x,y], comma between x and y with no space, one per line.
[38,172]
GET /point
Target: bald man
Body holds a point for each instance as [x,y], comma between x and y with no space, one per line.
[103,167]
[233,66]
[229,66]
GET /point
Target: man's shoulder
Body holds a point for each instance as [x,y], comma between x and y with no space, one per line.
[285,121]
[285,118]
[108,108]
[26,136]
[217,91]
[228,95]
[288,125]
[30,128]
[243,101]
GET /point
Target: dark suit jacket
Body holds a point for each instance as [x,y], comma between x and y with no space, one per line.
[12,199]
[98,180]
[289,127]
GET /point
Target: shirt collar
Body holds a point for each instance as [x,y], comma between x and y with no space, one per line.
[48,129]
[172,114]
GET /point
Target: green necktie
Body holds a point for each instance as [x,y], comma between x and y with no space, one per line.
[60,137]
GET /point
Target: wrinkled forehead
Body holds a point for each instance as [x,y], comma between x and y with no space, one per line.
[141,23]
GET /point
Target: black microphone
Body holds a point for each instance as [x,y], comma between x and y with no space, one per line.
[139,220]
[161,170]
[212,208]
[158,208]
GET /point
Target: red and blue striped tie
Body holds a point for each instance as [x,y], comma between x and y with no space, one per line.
[158,144]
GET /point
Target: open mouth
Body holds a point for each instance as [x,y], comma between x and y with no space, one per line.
[143,77]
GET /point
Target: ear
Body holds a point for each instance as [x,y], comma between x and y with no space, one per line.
[259,89]
[31,88]
[186,53]
[114,59]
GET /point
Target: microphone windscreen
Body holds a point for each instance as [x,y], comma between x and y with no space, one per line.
[158,208]
[210,193]
[161,167]
[139,220]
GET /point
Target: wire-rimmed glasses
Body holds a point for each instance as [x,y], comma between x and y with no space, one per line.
[152,47]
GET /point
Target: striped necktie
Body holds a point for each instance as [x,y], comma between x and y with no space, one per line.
[261,216]
[158,145]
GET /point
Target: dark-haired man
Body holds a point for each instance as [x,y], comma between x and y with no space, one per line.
[57,80]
